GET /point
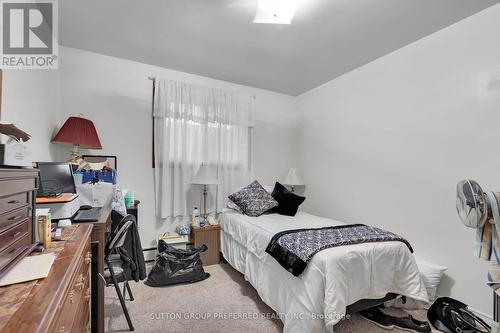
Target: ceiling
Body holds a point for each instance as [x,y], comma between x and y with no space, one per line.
[216,38]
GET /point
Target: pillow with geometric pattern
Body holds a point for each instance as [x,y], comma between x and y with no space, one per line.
[253,199]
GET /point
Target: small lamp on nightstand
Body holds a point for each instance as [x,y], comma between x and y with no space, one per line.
[205,176]
[293,179]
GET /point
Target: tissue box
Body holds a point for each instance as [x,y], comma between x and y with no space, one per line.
[14,153]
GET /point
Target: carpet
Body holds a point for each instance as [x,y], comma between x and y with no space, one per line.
[225,302]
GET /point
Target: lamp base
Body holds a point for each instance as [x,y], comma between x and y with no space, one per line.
[74,159]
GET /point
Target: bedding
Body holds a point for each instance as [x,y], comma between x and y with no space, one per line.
[334,278]
[293,249]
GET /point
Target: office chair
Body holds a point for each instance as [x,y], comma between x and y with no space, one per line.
[113,271]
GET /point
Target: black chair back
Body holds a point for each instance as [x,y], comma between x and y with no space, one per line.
[120,234]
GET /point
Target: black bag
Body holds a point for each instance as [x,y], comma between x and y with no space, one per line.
[175,266]
[451,316]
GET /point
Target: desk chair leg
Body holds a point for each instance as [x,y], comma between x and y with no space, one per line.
[125,290]
[127,286]
[120,296]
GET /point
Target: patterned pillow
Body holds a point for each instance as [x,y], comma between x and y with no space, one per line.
[253,199]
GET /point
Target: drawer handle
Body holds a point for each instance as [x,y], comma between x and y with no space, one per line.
[14,235]
[62,329]
[12,251]
[80,282]
[71,296]
[13,218]
[88,294]
[13,202]
[88,258]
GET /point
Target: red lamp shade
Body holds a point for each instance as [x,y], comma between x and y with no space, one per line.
[78,131]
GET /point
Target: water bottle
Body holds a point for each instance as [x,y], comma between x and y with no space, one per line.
[196,216]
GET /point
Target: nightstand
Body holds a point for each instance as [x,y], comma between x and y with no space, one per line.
[210,236]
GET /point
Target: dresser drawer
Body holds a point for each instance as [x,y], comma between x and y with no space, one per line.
[83,315]
[12,251]
[74,301]
[13,201]
[14,186]
[7,220]
[14,234]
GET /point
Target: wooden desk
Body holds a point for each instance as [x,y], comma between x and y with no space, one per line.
[58,303]
[98,238]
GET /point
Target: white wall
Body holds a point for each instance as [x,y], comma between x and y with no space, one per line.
[116,95]
[31,101]
[384,144]
[392,138]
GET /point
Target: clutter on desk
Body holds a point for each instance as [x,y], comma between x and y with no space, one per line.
[95,168]
[28,269]
[105,174]
[129,198]
[96,183]
[95,195]
[64,223]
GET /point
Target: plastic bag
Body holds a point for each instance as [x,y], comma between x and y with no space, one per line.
[174,266]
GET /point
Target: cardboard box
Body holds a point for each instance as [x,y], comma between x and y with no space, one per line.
[14,153]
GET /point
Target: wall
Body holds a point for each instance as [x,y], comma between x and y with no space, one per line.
[31,101]
[392,138]
[116,95]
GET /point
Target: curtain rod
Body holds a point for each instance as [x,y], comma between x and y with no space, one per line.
[153,78]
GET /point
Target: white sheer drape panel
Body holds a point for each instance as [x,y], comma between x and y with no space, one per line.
[193,126]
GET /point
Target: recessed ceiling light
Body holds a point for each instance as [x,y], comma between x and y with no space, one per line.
[275,11]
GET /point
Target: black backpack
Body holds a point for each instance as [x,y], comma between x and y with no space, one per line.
[451,316]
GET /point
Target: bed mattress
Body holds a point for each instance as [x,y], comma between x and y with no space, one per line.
[334,278]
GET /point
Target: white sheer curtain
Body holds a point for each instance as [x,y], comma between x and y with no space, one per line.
[193,126]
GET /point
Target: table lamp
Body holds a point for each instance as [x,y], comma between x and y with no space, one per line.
[205,176]
[79,132]
[293,179]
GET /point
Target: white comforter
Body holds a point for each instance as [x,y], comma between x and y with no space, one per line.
[334,278]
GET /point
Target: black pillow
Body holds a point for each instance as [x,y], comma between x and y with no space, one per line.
[288,202]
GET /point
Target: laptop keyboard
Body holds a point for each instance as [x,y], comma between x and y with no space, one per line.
[89,215]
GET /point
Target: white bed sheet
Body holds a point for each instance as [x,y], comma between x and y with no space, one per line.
[334,278]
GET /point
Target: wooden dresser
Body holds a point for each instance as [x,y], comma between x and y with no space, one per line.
[17,210]
[60,302]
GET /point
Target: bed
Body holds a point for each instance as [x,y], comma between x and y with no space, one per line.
[334,278]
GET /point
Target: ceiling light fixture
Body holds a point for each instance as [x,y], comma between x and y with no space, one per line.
[275,11]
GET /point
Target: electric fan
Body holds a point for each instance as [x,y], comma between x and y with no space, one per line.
[472,204]
[474,209]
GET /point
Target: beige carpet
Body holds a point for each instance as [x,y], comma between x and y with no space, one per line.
[206,307]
